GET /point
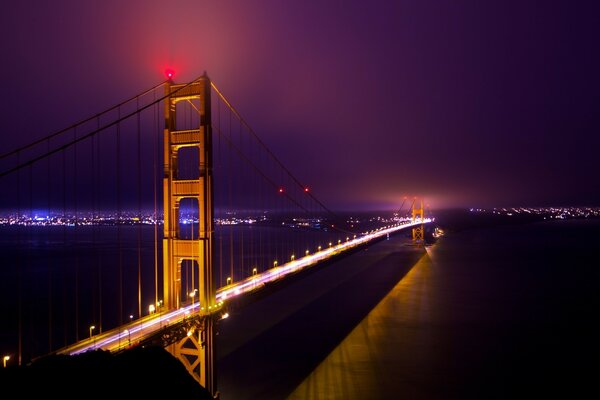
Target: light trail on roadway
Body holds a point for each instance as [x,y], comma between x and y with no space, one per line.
[132,333]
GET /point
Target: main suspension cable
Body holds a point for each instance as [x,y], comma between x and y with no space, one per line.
[84,121]
[94,132]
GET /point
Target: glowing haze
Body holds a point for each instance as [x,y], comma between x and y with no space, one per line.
[468,103]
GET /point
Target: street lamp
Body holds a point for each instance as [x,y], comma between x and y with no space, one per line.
[275,263]
[193,294]
[254,272]
[293,257]
[151,308]
[91,329]
[306,252]
[6,358]
[228,280]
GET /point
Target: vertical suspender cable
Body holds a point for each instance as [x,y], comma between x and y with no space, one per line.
[139,210]
[282,209]
[251,208]
[75,235]
[28,265]
[229,183]
[64,234]
[260,210]
[220,170]
[48,262]
[155,176]
[119,244]
[94,228]
[241,226]
[98,254]
[19,268]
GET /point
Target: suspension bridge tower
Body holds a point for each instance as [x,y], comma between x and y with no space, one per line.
[195,350]
[418,212]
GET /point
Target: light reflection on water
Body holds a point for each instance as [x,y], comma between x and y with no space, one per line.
[365,364]
[502,312]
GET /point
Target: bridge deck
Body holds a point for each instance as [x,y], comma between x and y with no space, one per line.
[132,333]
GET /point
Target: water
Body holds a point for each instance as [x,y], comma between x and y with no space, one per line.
[503,312]
[66,278]
[63,275]
[498,312]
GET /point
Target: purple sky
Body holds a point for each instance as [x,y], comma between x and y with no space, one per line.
[470,103]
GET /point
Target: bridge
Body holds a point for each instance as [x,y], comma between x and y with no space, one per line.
[234,220]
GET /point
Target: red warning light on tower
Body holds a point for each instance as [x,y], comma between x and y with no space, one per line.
[169,73]
[280,190]
[306,189]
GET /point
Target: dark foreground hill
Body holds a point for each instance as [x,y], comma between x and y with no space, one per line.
[141,372]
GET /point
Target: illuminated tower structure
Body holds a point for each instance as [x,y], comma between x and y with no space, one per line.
[418,212]
[195,350]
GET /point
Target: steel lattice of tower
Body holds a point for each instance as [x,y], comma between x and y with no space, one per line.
[196,350]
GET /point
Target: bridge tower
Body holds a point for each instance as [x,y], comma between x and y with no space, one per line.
[195,350]
[418,212]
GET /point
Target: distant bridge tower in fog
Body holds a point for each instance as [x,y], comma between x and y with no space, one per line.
[418,212]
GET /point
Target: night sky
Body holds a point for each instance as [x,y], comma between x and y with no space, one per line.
[470,103]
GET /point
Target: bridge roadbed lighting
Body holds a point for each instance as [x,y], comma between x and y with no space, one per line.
[151,323]
[5,359]
[127,332]
[278,272]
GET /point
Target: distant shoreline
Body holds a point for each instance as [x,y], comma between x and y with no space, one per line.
[463,219]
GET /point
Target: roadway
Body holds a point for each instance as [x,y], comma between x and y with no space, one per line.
[132,332]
